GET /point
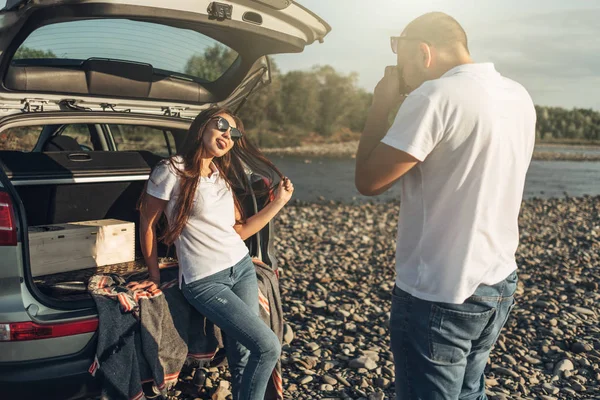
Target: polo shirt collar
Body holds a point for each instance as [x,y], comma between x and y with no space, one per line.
[485,68]
[213,176]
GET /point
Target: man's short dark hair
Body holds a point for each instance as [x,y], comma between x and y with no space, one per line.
[437,28]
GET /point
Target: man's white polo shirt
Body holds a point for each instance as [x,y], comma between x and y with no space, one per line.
[474,131]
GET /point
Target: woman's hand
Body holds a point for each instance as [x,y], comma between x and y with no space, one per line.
[255,223]
[284,191]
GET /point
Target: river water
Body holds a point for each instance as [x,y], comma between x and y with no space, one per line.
[333,179]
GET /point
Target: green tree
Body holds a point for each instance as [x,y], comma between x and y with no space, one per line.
[335,97]
[262,110]
[558,123]
[300,98]
[357,110]
[28,53]
[212,63]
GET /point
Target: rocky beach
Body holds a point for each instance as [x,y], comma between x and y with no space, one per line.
[336,278]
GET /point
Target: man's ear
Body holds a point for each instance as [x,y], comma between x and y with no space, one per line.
[426,54]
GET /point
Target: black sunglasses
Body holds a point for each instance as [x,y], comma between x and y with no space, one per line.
[394,40]
[223,126]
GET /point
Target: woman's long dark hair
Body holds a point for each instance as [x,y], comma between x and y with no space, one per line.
[242,157]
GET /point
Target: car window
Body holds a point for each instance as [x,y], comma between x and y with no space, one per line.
[157,141]
[81,133]
[167,48]
[23,138]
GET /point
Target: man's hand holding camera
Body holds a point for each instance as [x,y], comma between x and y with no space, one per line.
[389,91]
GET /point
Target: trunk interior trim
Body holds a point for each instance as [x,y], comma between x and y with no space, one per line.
[92,117]
[63,181]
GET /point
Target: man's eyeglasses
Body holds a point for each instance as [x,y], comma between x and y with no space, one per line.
[223,126]
[395,40]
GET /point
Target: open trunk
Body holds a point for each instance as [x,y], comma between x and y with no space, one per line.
[66,187]
[153,57]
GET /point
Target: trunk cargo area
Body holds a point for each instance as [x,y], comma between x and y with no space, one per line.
[72,285]
[67,187]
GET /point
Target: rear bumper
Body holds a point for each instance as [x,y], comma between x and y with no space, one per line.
[65,378]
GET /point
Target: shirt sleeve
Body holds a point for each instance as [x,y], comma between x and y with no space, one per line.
[162,181]
[417,128]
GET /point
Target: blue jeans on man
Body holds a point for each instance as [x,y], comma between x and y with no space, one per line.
[441,350]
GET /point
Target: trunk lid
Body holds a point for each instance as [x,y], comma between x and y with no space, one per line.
[156,57]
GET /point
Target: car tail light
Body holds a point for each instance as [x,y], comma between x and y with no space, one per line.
[20,331]
[8,227]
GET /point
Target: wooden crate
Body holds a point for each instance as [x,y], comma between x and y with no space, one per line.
[79,245]
[115,241]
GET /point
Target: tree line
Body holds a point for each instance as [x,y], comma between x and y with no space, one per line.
[316,104]
[321,102]
[559,124]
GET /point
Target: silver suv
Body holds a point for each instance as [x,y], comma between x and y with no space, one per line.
[93,94]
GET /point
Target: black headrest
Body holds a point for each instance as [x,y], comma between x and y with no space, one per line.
[62,143]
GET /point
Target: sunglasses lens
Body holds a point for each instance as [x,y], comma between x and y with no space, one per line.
[222,124]
[235,133]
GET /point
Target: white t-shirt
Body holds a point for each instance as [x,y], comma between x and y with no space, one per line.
[208,243]
[474,131]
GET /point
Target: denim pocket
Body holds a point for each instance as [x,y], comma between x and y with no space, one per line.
[452,331]
[504,313]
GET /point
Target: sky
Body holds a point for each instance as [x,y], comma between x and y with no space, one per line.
[552,47]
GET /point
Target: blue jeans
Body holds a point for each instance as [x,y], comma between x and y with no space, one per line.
[229,299]
[441,350]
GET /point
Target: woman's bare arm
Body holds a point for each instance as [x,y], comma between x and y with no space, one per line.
[151,210]
[259,220]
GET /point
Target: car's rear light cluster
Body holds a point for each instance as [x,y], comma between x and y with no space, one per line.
[20,331]
[8,226]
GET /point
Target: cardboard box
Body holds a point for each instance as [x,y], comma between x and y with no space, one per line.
[79,245]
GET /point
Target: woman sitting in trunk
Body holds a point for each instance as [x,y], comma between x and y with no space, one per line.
[207,225]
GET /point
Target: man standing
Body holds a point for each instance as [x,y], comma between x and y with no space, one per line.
[462,142]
